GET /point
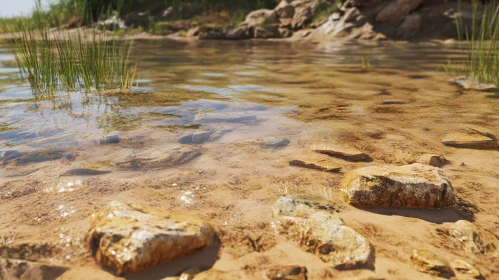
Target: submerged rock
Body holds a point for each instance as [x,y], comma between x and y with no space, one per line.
[10,155]
[409,186]
[274,143]
[472,138]
[155,160]
[321,233]
[347,154]
[432,160]
[471,240]
[317,164]
[84,172]
[197,138]
[465,270]
[112,139]
[130,238]
[429,262]
[289,272]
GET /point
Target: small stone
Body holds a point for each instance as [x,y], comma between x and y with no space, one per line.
[317,164]
[432,159]
[347,154]
[471,239]
[409,186]
[275,143]
[471,138]
[113,139]
[322,234]
[428,262]
[189,274]
[130,238]
[465,270]
[289,272]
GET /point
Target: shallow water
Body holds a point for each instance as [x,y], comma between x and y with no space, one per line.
[212,125]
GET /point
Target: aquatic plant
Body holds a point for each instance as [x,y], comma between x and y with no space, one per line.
[72,61]
[366,63]
[479,45]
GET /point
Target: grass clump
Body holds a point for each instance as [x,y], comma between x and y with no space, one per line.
[479,45]
[366,63]
[72,61]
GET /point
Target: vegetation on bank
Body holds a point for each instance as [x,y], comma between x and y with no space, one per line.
[78,61]
[479,45]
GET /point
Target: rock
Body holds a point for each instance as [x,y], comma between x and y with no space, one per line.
[10,155]
[397,10]
[472,138]
[266,32]
[189,274]
[154,160]
[428,262]
[285,10]
[20,269]
[316,163]
[321,233]
[409,186]
[130,238]
[138,19]
[260,17]
[465,270]
[289,272]
[193,32]
[341,152]
[84,172]
[239,33]
[285,32]
[471,240]
[409,27]
[113,23]
[275,143]
[432,159]
[29,251]
[197,137]
[302,17]
[113,139]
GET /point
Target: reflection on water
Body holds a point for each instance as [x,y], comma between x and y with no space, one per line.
[196,86]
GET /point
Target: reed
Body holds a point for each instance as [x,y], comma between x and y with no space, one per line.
[479,45]
[76,61]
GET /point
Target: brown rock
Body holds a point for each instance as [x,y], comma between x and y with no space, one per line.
[290,272]
[432,159]
[341,152]
[322,234]
[409,27]
[409,186]
[472,240]
[259,17]
[397,10]
[130,238]
[317,164]
[465,270]
[472,138]
[285,10]
[428,262]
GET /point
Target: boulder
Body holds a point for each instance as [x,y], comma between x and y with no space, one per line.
[471,240]
[302,17]
[428,262]
[472,138]
[409,26]
[321,233]
[315,163]
[465,270]
[289,272]
[409,186]
[347,154]
[285,10]
[130,238]
[397,10]
[260,17]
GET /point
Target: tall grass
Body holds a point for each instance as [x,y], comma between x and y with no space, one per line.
[63,61]
[480,44]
